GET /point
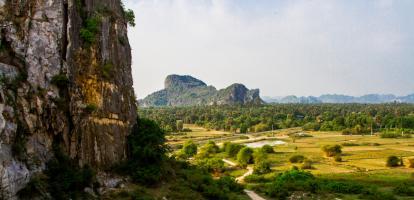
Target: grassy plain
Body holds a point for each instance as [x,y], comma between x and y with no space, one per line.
[363,157]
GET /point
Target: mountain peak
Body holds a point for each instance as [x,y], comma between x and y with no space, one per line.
[185,90]
[182,81]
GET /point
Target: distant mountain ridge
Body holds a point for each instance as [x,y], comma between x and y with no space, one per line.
[187,91]
[338,98]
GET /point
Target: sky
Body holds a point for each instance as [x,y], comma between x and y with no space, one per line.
[282,47]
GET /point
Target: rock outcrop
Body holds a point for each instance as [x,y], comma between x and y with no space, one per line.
[187,91]
[65,74]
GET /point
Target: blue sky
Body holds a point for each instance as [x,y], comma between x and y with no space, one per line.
[300,47]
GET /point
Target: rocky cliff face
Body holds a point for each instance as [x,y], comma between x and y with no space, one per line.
[65,80]
[187,91]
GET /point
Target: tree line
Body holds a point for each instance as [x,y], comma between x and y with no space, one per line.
[348,118]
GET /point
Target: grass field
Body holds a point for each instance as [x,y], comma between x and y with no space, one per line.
[363,157]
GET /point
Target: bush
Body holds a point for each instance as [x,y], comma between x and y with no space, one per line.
[403,189]
[293,180]
[393,161]
[60,80]
[186,130]
[146,152]
[232,149]
[307,164]
[332,150]
[215,165]
[342,187]
[262,167]
[338,158]
[394,135]
[66,180]
[90,108]
[255,178]
[268,149]
[349,144]
[208,150]
[189,148]
[245,156]
[375,194]
[90,29]
[296,159]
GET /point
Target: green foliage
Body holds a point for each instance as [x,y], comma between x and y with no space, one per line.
[261,164]
[268,149]
[19,145]
[245,156]
[297,159]
[350,118]
[214,165]
[37,187]
[60,80]
[293,180]
[90,29]
[129,15]
[393,161]
[90,108]
[191,180]
[394,135]
[403,189]
[332,150]
[146,152]
[208,150]
[232,149]
[255,178]
[66,180]
[107,70]
[189,148]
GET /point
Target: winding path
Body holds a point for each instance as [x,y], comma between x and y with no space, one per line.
[240,179]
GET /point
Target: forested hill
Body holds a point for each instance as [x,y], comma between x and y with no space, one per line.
[336,98]
[187,91]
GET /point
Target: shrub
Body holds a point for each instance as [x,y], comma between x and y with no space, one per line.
[189,148]
[338,158]
[107,70]
[349,144]
[66,180]
[211,164]
[208,150]
[403,189]
[60,80]
[393,161]
[255,178]
[307,164]
[342,187]
[90,108]
[90,29]
[245,156]
[293,180]
[228,183]
[374,194]
[232,149]
[332,150]
[146,152]
[268,149]
[186,130]
[297,159]
[262,167]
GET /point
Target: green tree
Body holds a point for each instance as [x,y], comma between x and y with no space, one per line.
[189,148]
[146,152]
[332,150]
[245,156]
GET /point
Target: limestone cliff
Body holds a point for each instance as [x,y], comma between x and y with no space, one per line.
[188,91]
[65,68]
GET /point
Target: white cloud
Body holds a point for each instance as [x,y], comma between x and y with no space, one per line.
[282,47]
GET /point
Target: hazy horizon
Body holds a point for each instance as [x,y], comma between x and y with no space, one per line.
[302,48]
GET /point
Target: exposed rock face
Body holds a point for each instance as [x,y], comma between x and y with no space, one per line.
[186,91]
[58,88]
